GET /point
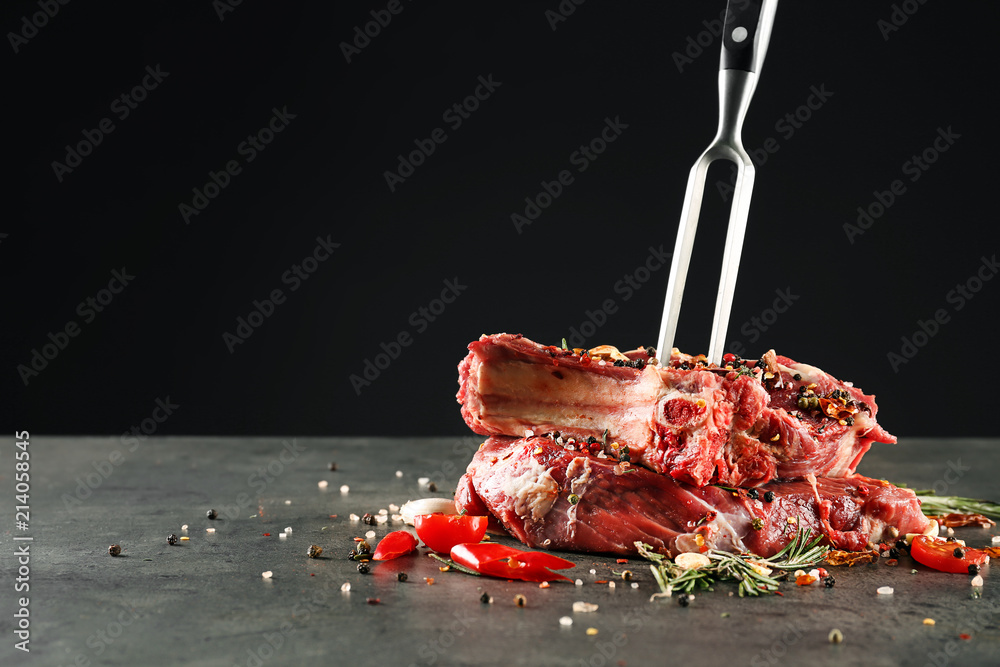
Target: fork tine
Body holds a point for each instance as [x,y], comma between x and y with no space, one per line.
[738,214]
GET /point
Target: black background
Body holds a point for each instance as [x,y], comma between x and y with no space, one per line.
[324,176]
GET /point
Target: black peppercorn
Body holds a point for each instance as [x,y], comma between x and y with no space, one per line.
[332,465]
[829,582]
[958,552]
[432,487]
[485,598]
[683,600]
[402,576]
[893,552]
[769,496]
[753,494]
[363,567]
[368,519]
[171,539]
[115,550]
[901,544]
[949,539]
[212,514]
[973,569]
[363,548]
[797,377]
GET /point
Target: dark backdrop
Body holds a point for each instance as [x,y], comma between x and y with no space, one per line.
[880,93]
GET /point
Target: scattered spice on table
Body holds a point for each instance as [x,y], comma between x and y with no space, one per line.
[315,551]
[115,550]
[212,514]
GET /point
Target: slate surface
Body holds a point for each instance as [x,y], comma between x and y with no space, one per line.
[204,601]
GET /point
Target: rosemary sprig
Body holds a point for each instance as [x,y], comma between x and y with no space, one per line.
[455,566]
[932,504]
[747,569]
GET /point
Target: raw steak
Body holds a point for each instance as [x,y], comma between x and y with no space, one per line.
[700,424]
[554,497]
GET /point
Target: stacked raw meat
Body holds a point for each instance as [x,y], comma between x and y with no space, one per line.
[593,450]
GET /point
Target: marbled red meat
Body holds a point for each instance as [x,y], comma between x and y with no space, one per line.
[554,497]
[701,425]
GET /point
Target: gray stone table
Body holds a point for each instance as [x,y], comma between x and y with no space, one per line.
[204,601]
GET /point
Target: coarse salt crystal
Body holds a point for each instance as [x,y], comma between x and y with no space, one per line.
[288,529]
[381,518]
[346,587]
[184,527]
[210,530]
[951,531]
[593,571]
[566,621]
[399,473]
[288,502]
[393,507]
[885,590]
[977,580]
[584,607]
[528,433]
[383,512]
[422,481]
[397,517]
[635,585]
[611,584]
[355,517]
[996,539]
[370,534]
[345,488]
[578,582]
[267,575]
[323,483]
[282,536]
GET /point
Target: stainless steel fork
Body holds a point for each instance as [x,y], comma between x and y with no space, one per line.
[745,35]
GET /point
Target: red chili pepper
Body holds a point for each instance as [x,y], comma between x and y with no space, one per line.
[498,560]
[441,532]
[395,544]
[942,556]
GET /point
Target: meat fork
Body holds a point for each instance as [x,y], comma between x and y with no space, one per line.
[745,35]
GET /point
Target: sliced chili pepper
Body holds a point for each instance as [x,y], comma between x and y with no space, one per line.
[395,544]
[441,532]
[499,560]
[942,556]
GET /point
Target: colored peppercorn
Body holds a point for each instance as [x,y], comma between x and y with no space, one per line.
[757,523]
[368,519]
[171,539]
[115,550]
[314,551]
[520,600]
